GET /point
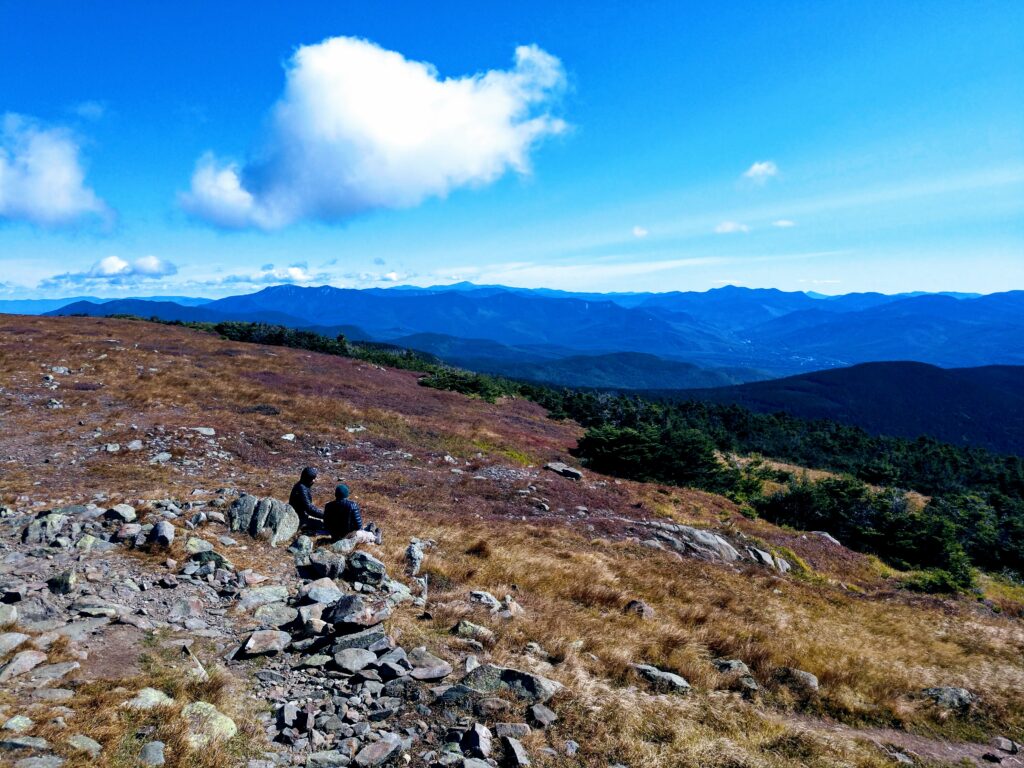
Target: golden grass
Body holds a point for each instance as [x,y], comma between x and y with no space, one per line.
[122,732]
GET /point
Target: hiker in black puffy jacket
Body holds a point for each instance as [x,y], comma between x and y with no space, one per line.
[343,518]
[311,517]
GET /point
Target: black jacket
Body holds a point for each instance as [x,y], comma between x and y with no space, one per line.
[342,517]
[301,500]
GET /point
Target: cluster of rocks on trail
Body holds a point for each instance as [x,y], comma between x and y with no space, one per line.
[310,638]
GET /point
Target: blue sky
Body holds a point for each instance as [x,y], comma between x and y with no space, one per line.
[214,148]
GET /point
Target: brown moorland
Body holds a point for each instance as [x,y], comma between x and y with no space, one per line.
[467,474]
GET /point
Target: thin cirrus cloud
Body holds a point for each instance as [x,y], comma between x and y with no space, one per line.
[360,128]
[640,232]
[730,227]
[114,271]
[42,181]
[783,223]
[761,171]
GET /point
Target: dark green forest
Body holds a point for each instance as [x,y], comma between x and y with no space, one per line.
[974,518]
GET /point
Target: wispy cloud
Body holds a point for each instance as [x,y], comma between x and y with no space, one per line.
[89,110]
[783,223]
[640,232]
[41,176]
[113,271]
[761,171]
[730,227]
[360,128]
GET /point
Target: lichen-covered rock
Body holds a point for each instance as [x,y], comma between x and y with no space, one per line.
[365,568]
[324,563]
[490,678]
[265,518]
[207,724]
[660,680]
[950,697]
[352,612]
[148,698]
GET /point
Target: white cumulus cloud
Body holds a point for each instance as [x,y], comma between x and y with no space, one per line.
[359,128]
[761,171]
[113,270]
[41,175]
[784,223]
[640,232]
[268,274]
[730,227]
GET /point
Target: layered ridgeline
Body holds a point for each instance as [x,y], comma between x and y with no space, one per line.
[981,406]
[710,341]
[741,334]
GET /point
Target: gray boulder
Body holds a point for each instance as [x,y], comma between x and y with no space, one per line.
[265,518]
[660,680]
[490,678]
[162,534]
[798,679]
[563,469]
[951,697]
[365,568]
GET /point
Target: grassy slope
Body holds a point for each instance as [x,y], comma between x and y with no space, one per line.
[872,647]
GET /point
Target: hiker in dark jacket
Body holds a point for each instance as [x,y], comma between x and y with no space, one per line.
[344,519]
[311,517]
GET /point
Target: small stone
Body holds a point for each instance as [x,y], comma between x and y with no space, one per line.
[1004,744]
[798,679]
[730,666]
[477,741]
[11,640]
[661,680]
[639,608]
[379,752]
[266,641]
[123,512]
[490,678]
[14,742]
[515,753]
[207,724]
[152,753]
[63,583]
[563,469]
[514,730]
[18,724]
[194,545]
[148,698]
[353,660]
[542,716]
[23,662]
[950,697]
[40,761]
[473,631]
[84,744]
[257,596]
[162,534]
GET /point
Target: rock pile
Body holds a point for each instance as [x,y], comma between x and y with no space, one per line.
[343,691]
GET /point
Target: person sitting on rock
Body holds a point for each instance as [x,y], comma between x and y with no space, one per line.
[311,517]
[344,519]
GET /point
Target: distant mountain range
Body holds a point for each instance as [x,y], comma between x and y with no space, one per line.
[963,387]
[982,406]
[740,334]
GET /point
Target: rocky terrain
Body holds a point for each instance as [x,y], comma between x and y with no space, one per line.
[160,607]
